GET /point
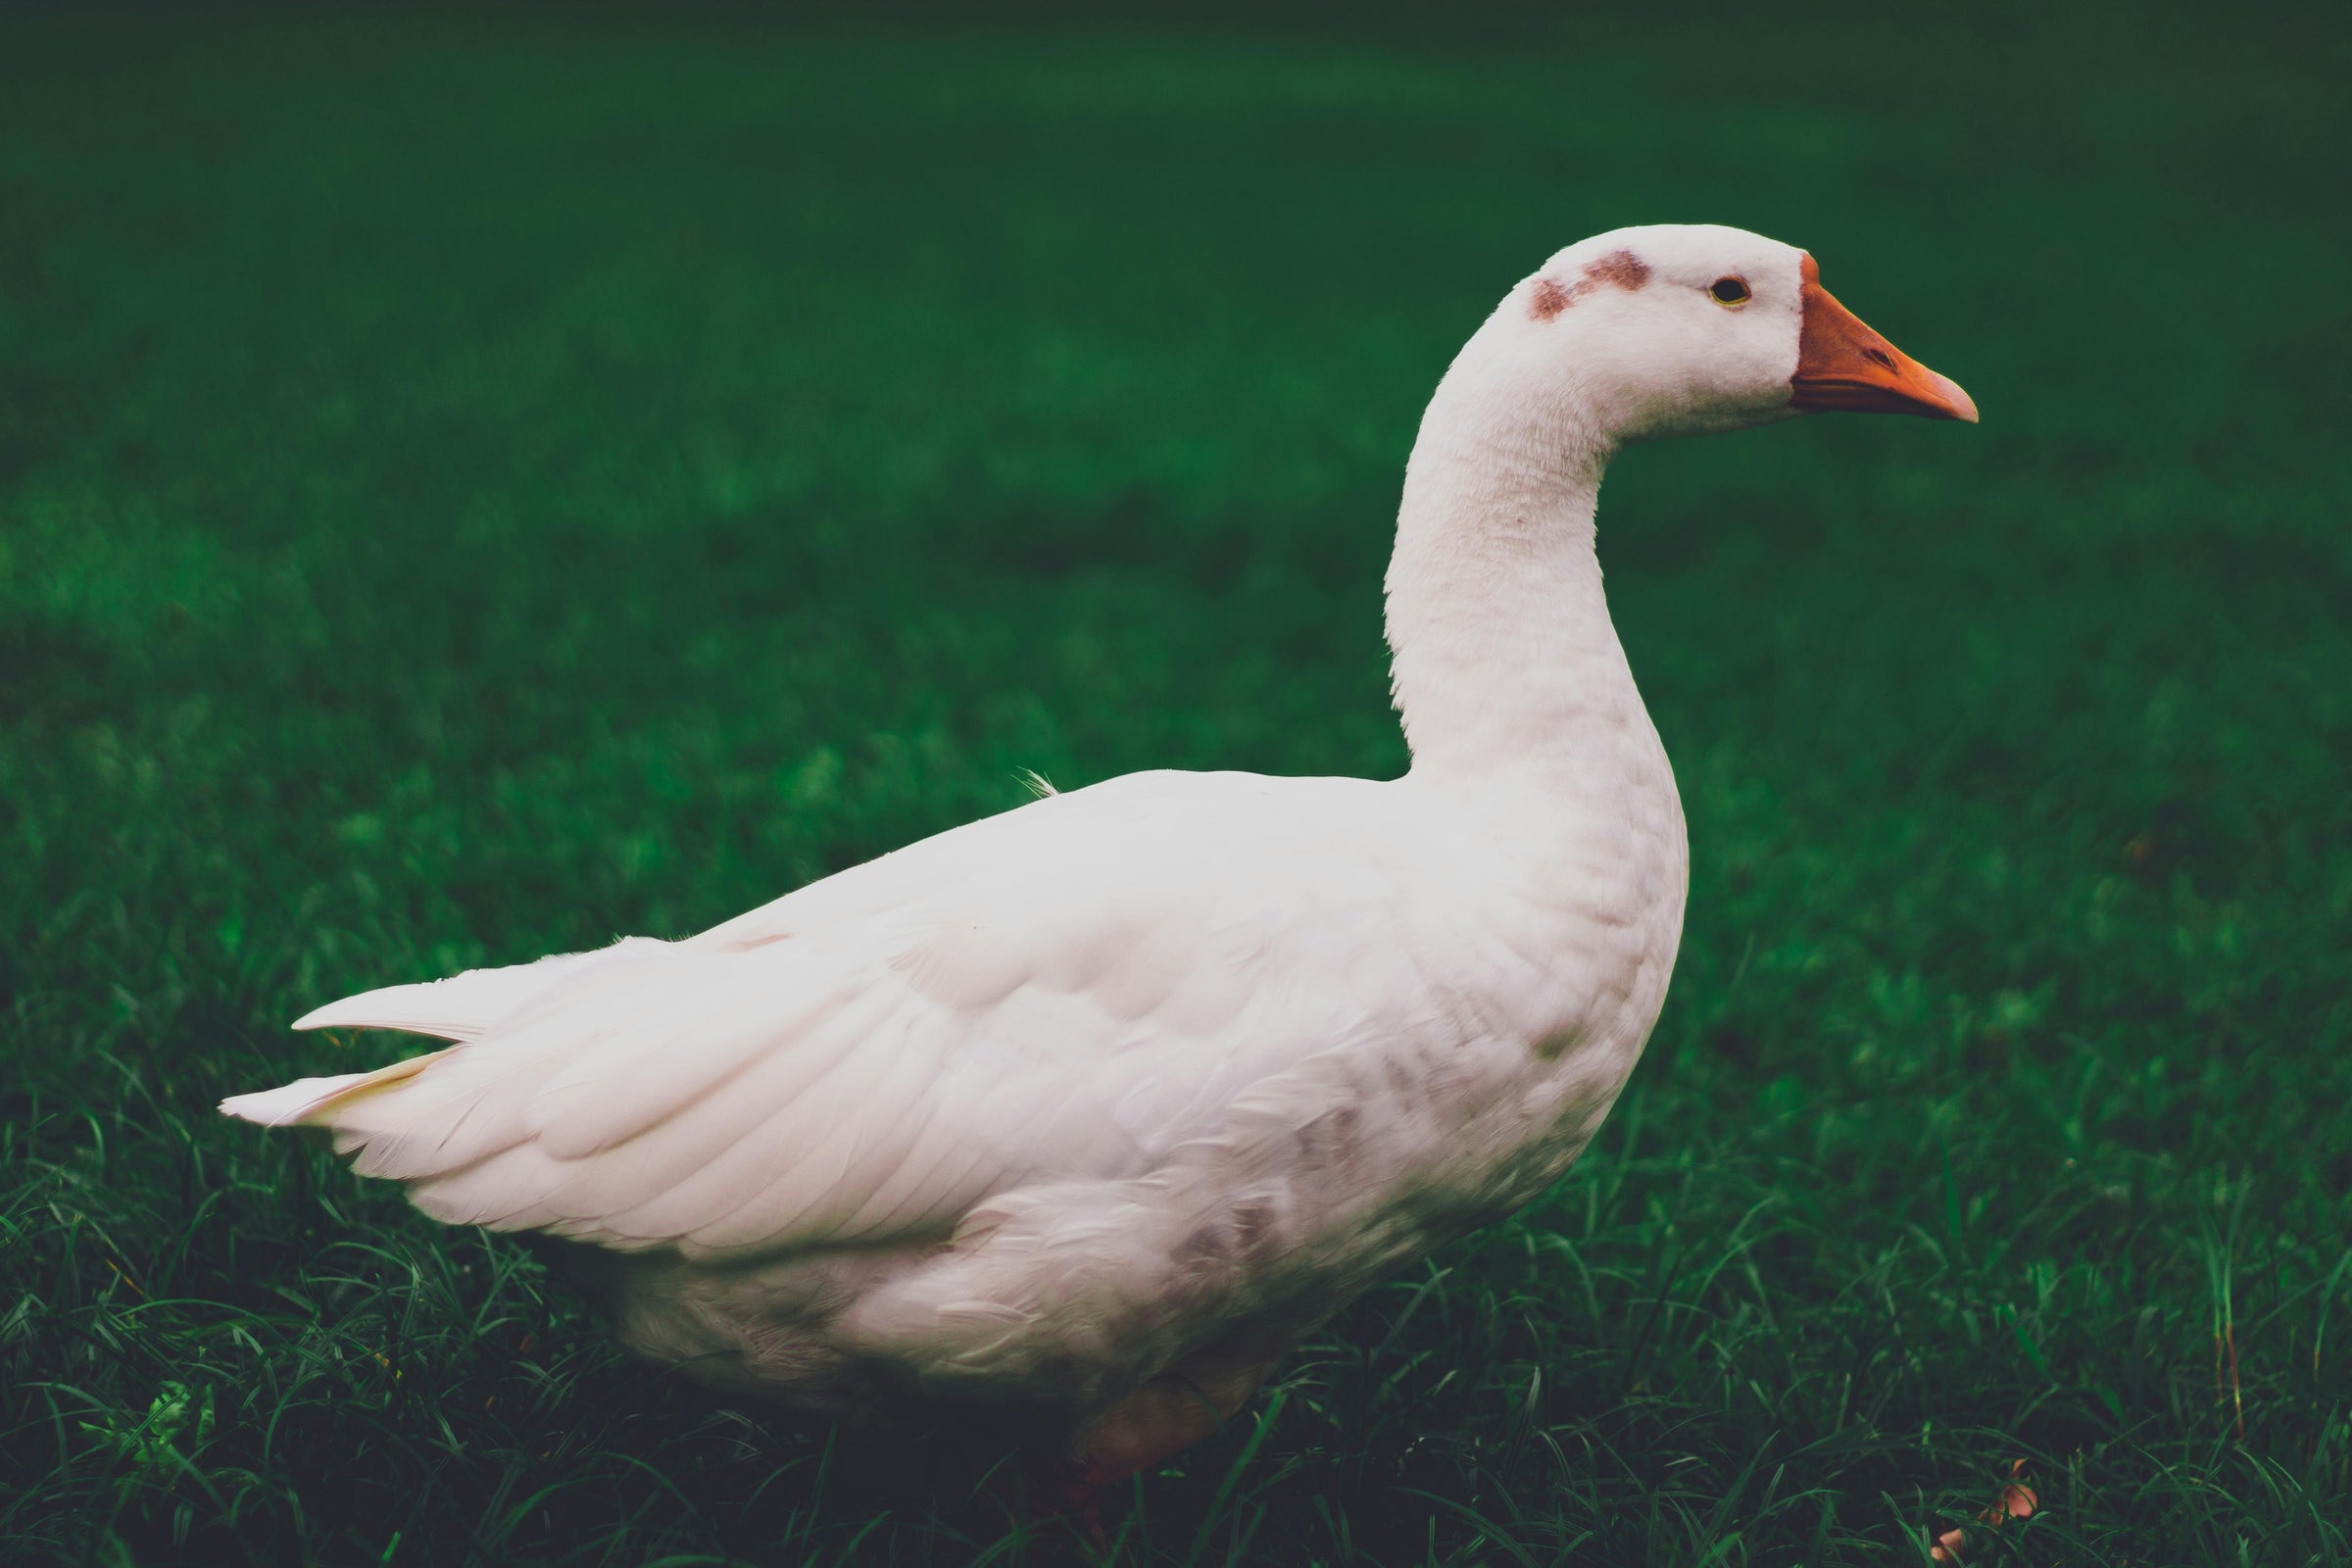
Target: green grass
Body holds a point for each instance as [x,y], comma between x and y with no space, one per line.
[470,488]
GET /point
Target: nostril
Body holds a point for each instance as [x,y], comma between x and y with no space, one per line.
[1879,357]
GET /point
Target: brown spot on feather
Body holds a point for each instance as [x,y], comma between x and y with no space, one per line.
[1623,269]
[1204,1248]
[1617,269]
[1253,1229]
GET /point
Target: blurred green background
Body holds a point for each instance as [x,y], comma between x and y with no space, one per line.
[471,485]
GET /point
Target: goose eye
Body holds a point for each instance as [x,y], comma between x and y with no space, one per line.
[1729,290]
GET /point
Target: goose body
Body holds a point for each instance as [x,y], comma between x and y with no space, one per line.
[1084,1111]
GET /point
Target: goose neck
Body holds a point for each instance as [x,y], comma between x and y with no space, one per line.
[1506,668]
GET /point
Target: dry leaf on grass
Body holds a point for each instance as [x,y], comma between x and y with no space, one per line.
[2016,1502]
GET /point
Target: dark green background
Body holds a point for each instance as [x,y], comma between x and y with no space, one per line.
[474,486]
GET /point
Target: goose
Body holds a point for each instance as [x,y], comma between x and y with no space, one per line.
[1076,1118]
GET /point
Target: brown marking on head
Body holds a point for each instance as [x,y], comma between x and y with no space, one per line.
[1620,268]
[1617,269]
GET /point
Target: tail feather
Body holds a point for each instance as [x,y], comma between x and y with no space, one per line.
[307,1101]
[461,1008]
[464,1006]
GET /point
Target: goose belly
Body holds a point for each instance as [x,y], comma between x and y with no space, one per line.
[1069,1296]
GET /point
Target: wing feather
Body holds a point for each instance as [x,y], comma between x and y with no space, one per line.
[1068,991]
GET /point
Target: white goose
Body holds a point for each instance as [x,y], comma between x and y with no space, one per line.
[1084,1113]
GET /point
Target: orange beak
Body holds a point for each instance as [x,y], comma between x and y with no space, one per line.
[1843,364]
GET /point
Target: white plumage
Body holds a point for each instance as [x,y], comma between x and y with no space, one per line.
[1114,1096]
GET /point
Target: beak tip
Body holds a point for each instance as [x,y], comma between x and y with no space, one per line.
[1961,406]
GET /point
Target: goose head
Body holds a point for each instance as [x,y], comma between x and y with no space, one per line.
[1686,328]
